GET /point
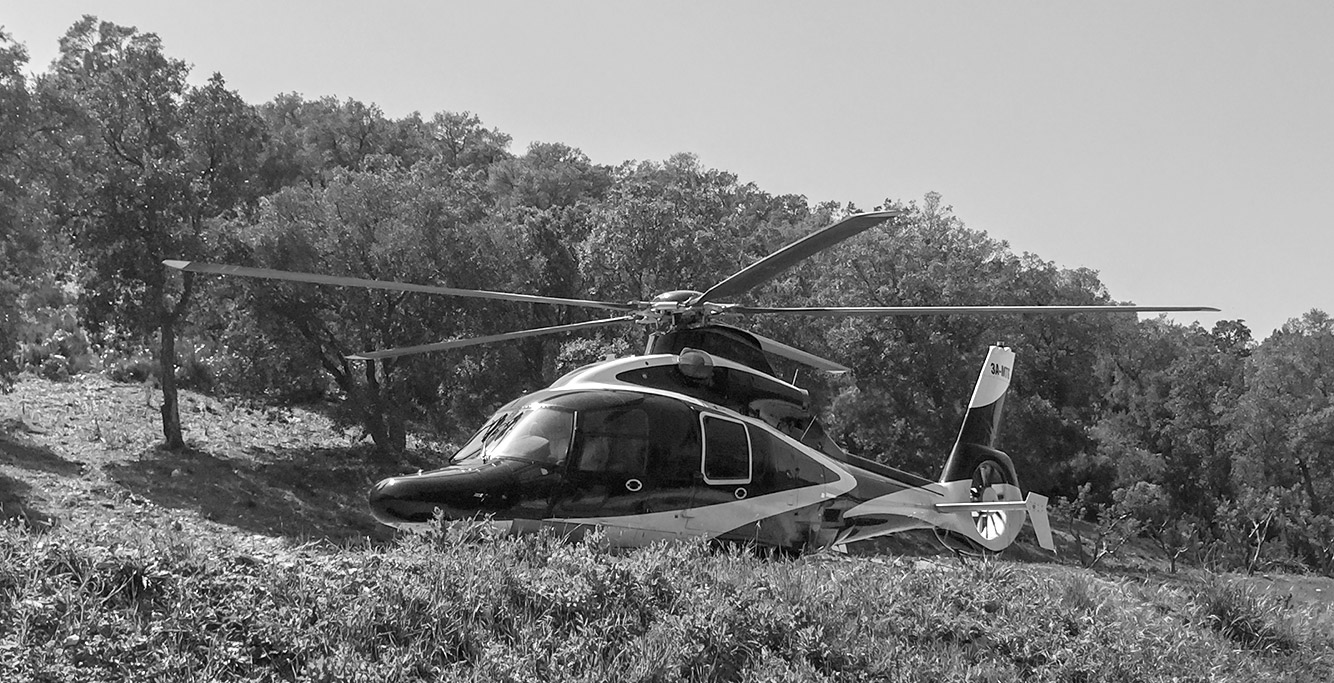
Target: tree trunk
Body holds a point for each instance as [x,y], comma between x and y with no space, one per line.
[169,316]
[364,395]
[1308,481]
[387,431]
[171,415]
[376,427]
[398,432]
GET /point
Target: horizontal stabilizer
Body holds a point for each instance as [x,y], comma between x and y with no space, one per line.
[1037,511]
[1035,505]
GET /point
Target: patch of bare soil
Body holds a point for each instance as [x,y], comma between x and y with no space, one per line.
[87,451]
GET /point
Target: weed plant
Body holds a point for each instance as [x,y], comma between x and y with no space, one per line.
[466,604]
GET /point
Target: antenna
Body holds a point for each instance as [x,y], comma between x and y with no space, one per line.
[807,430]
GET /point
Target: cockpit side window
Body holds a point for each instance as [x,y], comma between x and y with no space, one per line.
[476,445]
[540,434]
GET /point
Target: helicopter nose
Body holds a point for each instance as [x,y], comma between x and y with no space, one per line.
[457,492]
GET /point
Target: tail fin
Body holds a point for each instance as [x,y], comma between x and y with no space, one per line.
[985,477]
[977,436]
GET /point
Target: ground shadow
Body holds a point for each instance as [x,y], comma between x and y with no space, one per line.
[299,493]
[14,497]
[21,453]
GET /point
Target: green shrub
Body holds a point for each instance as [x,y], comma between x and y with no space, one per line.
[467,603]
[9,324]
[137,368]
[194,366]
[1247,616]
[47,336]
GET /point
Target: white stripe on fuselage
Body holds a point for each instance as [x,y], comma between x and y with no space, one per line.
[912,503]
[711,520]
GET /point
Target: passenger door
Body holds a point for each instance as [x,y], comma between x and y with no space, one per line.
[725,474]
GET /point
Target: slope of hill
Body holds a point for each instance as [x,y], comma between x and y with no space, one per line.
[251,557]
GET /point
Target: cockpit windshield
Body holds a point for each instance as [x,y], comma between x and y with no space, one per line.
[538,433]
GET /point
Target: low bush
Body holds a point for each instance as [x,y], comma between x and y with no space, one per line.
[137,368]
[1248,617]
[52,344]
[468,604]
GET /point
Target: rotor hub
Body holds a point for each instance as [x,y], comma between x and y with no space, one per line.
[674,309]
[678,296]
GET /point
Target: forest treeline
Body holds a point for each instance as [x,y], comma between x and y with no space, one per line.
[1218,446]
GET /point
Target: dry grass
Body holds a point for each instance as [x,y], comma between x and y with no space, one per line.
[86,452]
[120,562]
[460,606]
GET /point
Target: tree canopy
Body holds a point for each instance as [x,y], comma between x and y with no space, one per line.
[112,160]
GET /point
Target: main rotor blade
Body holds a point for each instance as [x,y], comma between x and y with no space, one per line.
[245,271]
[962,310]
[778,348]
[473,341]
[779,261]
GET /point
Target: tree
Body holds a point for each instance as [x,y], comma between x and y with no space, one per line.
[914,373]
[548,175]
[158,163]
[18,241]
[663,227]
[1169,392]
[1285,420]
[460,141]
[1152,510]
[426,225]
[1282,428]
[311,139]
[1108,526]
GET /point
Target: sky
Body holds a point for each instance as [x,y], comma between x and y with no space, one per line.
[1185,150]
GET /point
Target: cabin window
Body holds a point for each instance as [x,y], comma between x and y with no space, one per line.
[613,441]
[726,451]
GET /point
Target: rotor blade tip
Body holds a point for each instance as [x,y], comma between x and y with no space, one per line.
[179,265]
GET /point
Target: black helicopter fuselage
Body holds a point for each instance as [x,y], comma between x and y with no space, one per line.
[668,446]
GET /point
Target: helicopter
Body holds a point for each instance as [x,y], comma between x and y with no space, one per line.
[698,437]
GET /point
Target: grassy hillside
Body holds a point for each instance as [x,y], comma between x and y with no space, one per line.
[251,558]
